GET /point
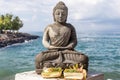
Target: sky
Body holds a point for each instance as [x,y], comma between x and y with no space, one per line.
[84,15]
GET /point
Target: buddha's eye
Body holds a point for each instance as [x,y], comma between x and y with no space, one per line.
[58,13]
[63,14]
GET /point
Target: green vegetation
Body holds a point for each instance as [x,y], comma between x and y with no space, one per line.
[9,22]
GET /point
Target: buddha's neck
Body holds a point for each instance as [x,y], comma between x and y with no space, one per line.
[60,24]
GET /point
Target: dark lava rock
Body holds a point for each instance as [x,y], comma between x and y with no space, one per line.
[12,38]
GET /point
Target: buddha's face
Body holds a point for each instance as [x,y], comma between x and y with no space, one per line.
[60,15]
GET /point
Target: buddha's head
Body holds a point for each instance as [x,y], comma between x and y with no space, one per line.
[60,12]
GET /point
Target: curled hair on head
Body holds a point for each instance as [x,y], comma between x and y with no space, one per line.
[60,5]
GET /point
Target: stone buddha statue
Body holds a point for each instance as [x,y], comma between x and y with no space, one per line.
[60,39]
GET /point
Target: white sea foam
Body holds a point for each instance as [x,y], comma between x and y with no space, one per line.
[26,41]
[109,79]
[87,39]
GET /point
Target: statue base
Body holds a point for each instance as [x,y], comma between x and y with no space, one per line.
[32,75]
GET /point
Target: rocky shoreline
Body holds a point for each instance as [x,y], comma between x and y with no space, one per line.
[13,38]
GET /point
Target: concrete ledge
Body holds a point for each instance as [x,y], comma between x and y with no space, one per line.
[31,75]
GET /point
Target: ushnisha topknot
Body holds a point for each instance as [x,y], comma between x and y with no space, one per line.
[60,5]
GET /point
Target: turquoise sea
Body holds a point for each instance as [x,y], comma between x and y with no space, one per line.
[103,50]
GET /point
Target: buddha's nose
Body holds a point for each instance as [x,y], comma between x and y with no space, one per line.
[60,15]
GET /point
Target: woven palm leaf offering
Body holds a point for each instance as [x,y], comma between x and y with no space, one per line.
[51,72]
[75,73]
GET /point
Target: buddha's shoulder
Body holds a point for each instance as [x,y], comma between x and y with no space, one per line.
[70,25]
[50,25]
[53,25]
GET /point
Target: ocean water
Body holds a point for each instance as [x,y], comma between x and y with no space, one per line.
[103,50]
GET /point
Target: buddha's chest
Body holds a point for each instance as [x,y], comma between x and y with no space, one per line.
[59,31]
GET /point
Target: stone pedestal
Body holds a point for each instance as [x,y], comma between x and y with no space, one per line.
[31,75]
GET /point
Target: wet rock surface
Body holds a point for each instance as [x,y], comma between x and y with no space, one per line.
[13,38]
